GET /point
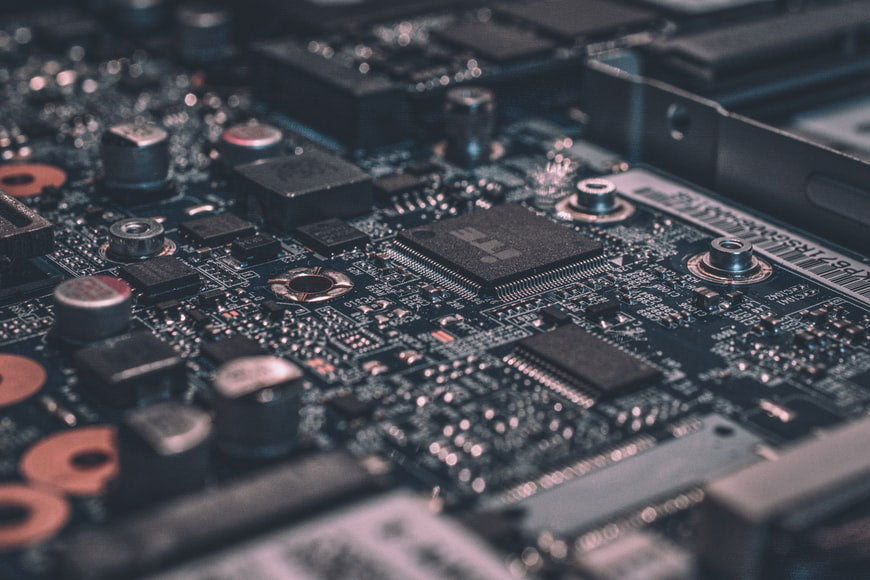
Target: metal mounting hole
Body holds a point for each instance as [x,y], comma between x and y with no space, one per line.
[12,514]
[18,179]
[311,284]
[90,459]
[679,121]
[136,228]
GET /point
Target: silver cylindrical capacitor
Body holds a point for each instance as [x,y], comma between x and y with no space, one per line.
[135,157]
[257,406]
[163,451]
[92,307]
[247,143]
[135,239]
[470,121]
[203,32]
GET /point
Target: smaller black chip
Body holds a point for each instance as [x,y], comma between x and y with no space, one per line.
[583,358]
[331,236]
[572,19]
[350,407]
[131,369]
[494,42]
[255,249]
[602,310]
[216,230]
[162,278]
[392,185]
[234,347]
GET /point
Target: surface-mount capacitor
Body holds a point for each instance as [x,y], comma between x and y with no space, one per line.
[163,450]
[91,307]
[257,406]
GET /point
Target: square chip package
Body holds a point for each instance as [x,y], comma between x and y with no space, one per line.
[500,251]
[290,191]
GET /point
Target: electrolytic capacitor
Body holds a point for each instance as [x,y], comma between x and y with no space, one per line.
[470,121]
[92,307]
[135,160]
[247,143]
[203,32]
[257,406]
[163,451]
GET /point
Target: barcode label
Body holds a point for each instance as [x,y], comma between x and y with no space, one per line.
[807,258]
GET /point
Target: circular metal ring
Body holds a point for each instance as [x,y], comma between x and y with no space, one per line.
[311,284]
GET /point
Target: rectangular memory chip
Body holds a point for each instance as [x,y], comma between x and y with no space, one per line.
[582,357]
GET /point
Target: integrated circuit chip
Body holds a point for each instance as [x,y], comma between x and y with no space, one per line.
[300,189]
[365,110]
[162,278]
[572,19]
[499,250]
[233,347]
[495,42]
[216,230]
[584,359]
[331,236]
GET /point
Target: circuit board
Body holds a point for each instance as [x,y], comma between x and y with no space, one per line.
[365,294]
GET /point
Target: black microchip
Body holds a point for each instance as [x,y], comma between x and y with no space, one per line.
[253,249]
[602,310]
[290,191]
[582,357]
[234,347]
[364,110]
[495,42]
[570,19]
[216,230]
[330,236]
[499,246]
[131,369]
[162,278]
[392,185]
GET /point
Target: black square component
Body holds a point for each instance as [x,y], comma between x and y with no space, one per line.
[216,230]
[234,347]
[330,236]
[162,278]
[572,19]
[290,191]
[254,249]
[496,249]
[132,369]
[494,42]
[581,357]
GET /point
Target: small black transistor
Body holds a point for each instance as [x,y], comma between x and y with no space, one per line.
[255,249]
[330,236]
[216,230]
[235,346]
[162,278]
